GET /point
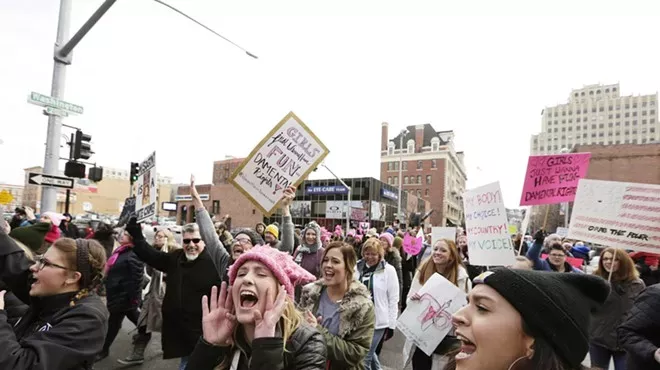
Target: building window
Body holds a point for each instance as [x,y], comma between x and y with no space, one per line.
[389,166]
[419,165]
[419,193]
[419,179]
[405,180]
[389,180]
[434,163]
[426,192]
[405,166]
[428,179]
[390,150]
[216,207]
[652,129]
[396,180]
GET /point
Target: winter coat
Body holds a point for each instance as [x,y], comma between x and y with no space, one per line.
[69,230]
[123,282]
[151,315]
[348,349]
[606,320]
[639,334]
[393,257]
[384,289]
[534,255]
[305,350]
[187,282]
[643,262]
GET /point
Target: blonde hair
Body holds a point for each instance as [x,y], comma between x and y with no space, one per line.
[290,321]
[171,244]
[428,267]
[375,245]
[28,252]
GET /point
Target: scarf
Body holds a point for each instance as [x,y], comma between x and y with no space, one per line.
[115,255]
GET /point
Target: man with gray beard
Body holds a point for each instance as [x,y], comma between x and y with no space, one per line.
[190,274]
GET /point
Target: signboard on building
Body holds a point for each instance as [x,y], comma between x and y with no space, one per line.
[146,190]
[617,214]
[377,211]
[552,179]
[284,158]
[487,227]
[301,208]
[389,194]
[188,198]
[325,190]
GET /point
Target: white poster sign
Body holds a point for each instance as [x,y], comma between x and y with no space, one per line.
[617,214]
[427,321]
[562,231]
[438,233]
[487,227]
[377,211]
[146,193]
[285,157]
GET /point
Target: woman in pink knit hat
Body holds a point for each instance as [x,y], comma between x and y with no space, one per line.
[254,324]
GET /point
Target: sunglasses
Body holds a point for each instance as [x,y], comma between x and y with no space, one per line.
[193,240]
[42,262]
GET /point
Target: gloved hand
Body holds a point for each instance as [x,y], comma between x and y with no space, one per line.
[539,237]
[134,229]
[389,333]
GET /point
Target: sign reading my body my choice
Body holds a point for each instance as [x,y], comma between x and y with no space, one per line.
[283,158]
[552,179]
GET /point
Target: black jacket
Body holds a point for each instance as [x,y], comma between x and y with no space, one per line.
[305,350]
[123,283]
[639,334]
[69,230]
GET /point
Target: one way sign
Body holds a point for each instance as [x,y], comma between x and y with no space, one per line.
[50,180]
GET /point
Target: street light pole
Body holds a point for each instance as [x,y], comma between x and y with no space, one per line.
[403,133]
[348,211]
[565,204]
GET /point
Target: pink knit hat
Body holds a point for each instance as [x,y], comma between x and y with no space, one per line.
[281,264]
[55,218]
[387,236]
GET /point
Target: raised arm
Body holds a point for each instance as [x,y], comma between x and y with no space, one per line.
[287,228]
[534,253]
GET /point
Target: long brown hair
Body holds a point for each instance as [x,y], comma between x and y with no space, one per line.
[627,270]
[348,253]
[428,268]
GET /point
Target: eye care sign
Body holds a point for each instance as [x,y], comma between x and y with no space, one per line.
[552,179]
[487,227]
[284,158]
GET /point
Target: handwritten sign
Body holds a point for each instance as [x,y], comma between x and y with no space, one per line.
[146,190]
[553,179]
[426,321]
[413,244]
[617,214]
[439,233]
[285,157]
[487,228]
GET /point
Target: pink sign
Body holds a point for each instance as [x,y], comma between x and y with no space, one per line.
[575,262]
[553,179]
[412,245]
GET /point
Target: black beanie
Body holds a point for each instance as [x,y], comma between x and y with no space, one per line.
[553,305]
[254,237]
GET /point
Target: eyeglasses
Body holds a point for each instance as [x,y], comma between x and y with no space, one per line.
[42,262]
[194,240]
[243,241]
[557,255]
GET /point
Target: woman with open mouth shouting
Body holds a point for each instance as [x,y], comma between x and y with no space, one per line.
[254,325]
[527,320]
[341,308]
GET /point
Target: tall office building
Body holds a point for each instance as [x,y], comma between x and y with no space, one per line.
[598,114]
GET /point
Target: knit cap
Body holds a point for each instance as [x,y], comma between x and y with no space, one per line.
[32,236]
[281,264]
[254,237]
[272,229]
[387,236]
[555,306]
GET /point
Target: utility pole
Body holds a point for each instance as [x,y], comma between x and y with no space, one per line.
[403,133]
[62,58]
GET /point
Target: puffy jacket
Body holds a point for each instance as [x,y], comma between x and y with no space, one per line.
[639,334]
[605,321]
[348,349]
[123,282]
[384,289]
[393,257]
[305,350]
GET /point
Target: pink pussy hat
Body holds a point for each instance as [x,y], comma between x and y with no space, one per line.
[281,264]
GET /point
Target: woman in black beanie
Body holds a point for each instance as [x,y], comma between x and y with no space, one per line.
[527,320]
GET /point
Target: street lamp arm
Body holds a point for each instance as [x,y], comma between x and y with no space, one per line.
[336,177]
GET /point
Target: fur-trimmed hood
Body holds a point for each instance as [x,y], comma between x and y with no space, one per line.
[353,308]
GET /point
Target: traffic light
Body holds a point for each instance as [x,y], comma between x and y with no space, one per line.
[74,169]
[95,174]
[135,170]
[81,146]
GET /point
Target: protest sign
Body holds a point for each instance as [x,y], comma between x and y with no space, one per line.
[439,233]
[617,214]
[412,245]
[427,321]
[146,190]
[487,227]
[553,179]
[127,210]
[562,231]
[284,158]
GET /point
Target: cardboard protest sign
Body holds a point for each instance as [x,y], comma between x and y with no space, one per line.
[427,321]
[284,158]
[146,189]
[127,210]
[617,214]
[487,227]
[439,233]
[553,179]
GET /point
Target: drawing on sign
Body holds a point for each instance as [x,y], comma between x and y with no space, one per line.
[283,158]
[145,200]
[435,313]
[551,179]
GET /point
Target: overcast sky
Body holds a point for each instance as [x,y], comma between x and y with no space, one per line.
[150,79]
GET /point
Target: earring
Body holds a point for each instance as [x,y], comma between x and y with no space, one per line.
[530,353]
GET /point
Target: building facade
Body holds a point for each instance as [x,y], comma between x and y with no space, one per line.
[430,169]
[626,163]
[105,197]
[16,193]
[598,114]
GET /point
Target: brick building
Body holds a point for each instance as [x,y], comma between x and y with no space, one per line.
[627,162]
[430,168]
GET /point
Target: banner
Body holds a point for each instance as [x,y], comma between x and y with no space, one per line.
[553,179]
[438,233]
[285,157]
[427,321]
[487,227]
[617,214]
[146,189]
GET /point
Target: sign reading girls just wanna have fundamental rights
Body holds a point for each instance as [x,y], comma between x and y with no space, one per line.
[552,179]
[284,158]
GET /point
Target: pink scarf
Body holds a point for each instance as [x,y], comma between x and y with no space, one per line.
[115,255]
